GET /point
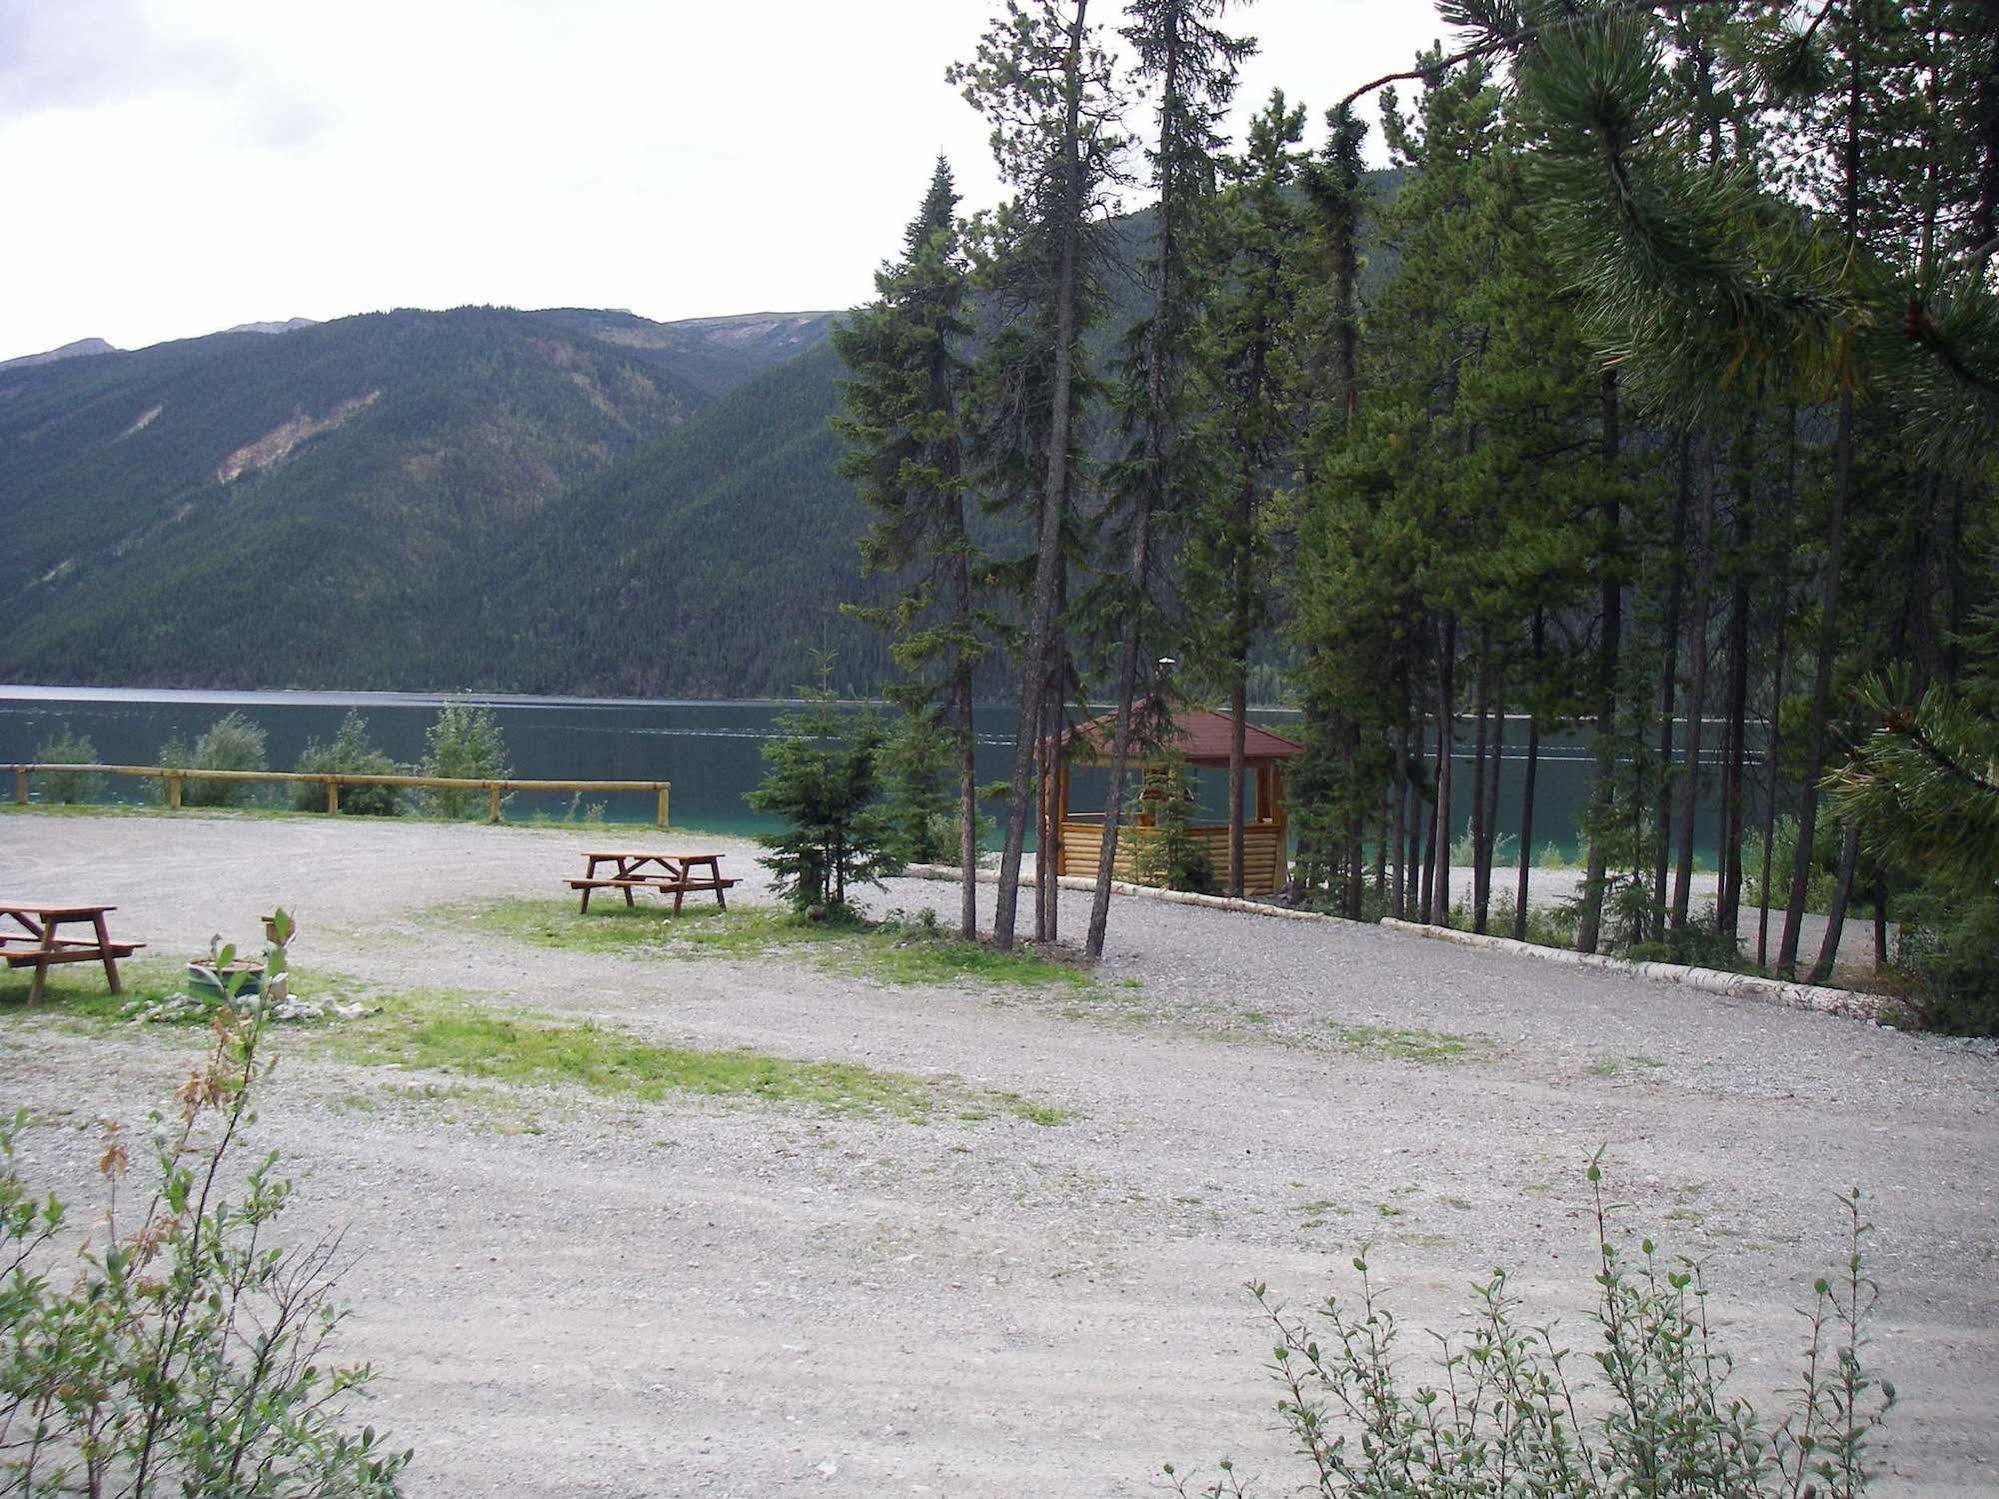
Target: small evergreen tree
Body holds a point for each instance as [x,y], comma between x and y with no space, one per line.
[902,420]
[823,781]
[1172,857]
[916,764]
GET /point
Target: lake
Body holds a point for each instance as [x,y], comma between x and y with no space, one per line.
[708,750]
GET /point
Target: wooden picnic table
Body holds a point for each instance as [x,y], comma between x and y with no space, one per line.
[31,937]
[643,869]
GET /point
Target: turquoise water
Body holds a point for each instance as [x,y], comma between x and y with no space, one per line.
[708,750]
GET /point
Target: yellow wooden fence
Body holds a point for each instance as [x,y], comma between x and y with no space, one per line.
[333,780]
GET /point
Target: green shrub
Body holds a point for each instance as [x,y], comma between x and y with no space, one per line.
[181,1352]
[1169,854]
[1949,953]
[1557,856]
[1505,849]
[232,742]
[66,748]
[1783,853]
[821,778]
[919,792]
[1547,926]
[464,744]
[1510,1413]
[351,754]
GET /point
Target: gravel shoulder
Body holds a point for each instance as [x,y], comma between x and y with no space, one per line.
[571,1295]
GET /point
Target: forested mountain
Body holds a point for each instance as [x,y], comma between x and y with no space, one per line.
[332,506]
[571,500]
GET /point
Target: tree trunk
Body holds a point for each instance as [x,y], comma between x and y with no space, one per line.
[1446,703]
[1150,495]
[1690,784]
[1429,909]
[1835,921]
[1880,921]
[1055,490]
[1589,927]
[1728,904]
[1772,743]
[1482,698]
[1238,746]
[1055,714]
[1669,680]
[968,811]
[1774,737]
[1488,852]
[1521,878]
[1399,828]
[1828,646]
[1046,868]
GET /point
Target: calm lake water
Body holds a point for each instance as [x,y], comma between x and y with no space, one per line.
[708,750]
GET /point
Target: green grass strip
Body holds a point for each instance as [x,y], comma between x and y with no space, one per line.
[438,1034]
[900,953]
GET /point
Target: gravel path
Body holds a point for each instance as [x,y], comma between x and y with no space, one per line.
[570,1296]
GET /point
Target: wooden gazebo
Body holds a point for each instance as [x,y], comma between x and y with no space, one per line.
[1201,738]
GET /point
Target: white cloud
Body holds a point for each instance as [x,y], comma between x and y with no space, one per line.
[176,168]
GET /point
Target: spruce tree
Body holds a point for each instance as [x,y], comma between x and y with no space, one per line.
[903,422]
[1042,78]
[1193,64]
[1248,340]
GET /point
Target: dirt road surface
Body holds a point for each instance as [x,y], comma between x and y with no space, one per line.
[735,1298]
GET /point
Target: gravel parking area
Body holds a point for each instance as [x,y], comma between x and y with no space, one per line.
[568,1295]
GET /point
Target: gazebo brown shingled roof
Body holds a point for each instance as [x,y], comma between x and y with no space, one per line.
[1200,736]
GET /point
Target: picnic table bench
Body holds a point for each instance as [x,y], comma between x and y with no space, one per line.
[31,937]
[676,875]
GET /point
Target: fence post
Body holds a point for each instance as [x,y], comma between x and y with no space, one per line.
[174,779]
[21,784]
[332,795]
[662,804]
[492,801]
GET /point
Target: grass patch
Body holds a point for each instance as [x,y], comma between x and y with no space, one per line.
[893,952]
[1615,1066]
[1437,1047]
[1046,1114]
[445,1034]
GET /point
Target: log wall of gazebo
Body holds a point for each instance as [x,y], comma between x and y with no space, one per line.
[1202,740]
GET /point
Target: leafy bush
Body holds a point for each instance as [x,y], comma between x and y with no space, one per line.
[1505,849]
[464,744]
[822,779]
[1547,926]
[1949,953]
[1506,1416]
[67,748]
[1557,856]
[232,742]
[184,1354]
[1824,880]
[351,754]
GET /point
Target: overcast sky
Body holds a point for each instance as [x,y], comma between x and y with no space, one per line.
[173,167]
